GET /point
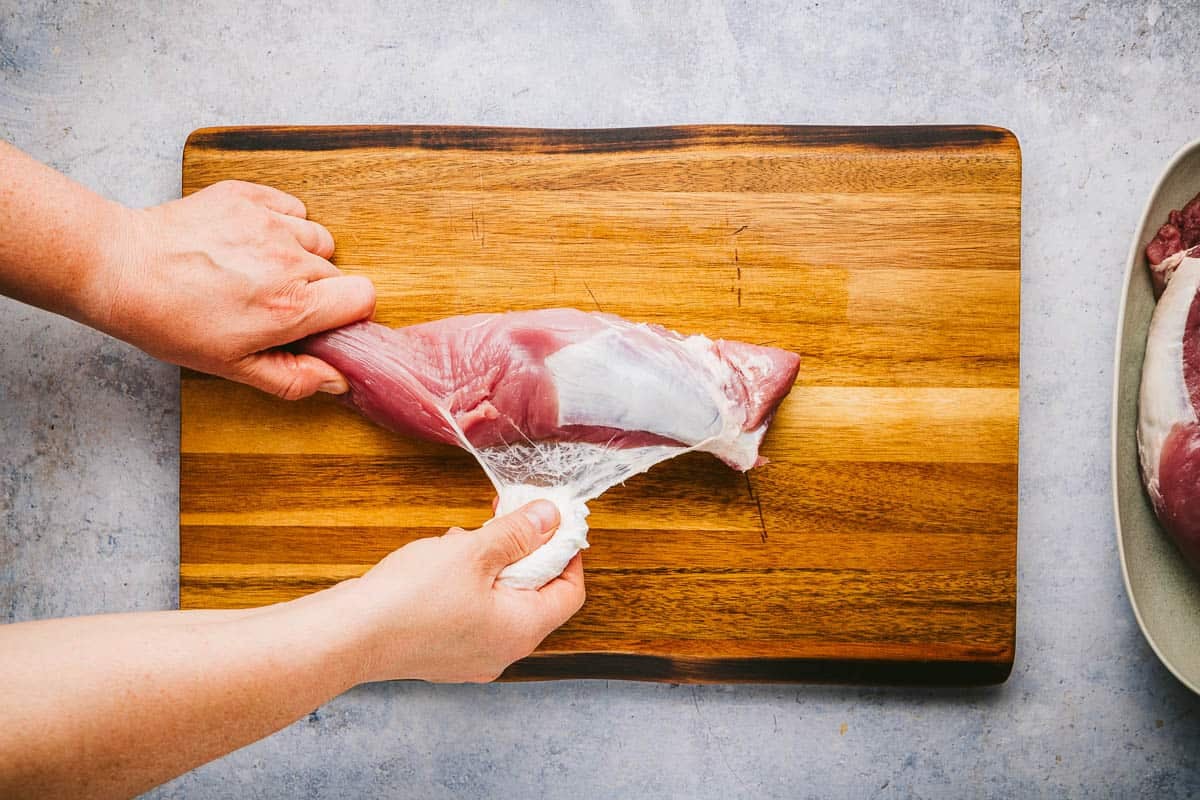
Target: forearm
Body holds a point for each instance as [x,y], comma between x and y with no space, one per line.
[112,705]
[59,239]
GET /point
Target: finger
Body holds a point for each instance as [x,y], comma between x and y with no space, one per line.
[315,268]
[334,302]
[573,571]
[312,236]
[289,375]
[564,595]
[495,503]
[274,199]
[513,536]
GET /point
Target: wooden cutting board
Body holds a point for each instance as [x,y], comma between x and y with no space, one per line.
[880,542]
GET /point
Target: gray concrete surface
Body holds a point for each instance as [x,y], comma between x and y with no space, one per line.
[1100,95]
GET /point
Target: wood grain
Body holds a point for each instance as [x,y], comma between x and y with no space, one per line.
[880,542]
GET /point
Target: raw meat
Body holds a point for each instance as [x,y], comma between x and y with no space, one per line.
[1168,421]
[1160,273]
[560,403]
[1181,232]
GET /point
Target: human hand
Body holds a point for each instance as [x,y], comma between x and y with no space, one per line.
[434,610]
[219,280]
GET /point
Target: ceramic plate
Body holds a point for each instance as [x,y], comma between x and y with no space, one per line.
[1164,592]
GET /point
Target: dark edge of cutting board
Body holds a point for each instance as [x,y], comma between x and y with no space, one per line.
[990,670]
[621,666]
[600,140]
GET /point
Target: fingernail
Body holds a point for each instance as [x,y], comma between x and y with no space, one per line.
[333,387]
[542,513]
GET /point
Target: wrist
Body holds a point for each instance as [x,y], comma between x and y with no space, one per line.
[351,626]
[115,253]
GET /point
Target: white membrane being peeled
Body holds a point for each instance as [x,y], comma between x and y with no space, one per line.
[569,474]
[613,380]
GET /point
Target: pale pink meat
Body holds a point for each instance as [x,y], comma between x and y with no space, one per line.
[501,379]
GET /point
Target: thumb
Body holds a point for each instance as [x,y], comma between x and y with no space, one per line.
[289,375]
[333,302]
[512,537]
